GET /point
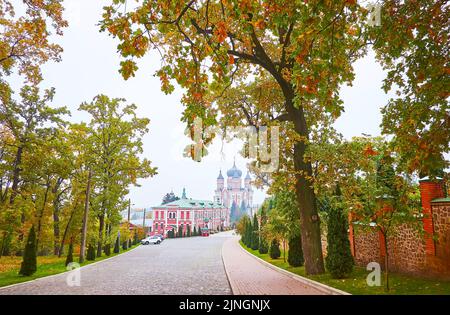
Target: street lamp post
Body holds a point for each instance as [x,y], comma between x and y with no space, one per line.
[143,221]
[129,209]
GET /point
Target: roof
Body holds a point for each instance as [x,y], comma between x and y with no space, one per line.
[192,203]
[234,172]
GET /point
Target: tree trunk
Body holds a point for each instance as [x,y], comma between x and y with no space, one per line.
[85,218]
[16,175]
[15,190]
[41,215]
[66,230]
[56,211]
[101,227]
[386,265]
[306,198]
[56,229]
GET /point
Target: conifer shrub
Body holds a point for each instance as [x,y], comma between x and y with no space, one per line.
[117,246]
[107,249]
[274,250]
[295,254]
[29,263]
[255,233]
[90,253]
[263,246]
[69,257]
[188,231]
[136,238]
[339,260]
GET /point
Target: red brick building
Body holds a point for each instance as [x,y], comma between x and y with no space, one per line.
[189,213]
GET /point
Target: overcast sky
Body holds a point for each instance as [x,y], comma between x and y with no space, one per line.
[90,65]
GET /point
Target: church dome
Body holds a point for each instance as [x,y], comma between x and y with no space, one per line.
[220,175]
[234,172]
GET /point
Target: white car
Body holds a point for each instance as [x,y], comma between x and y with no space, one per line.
[151,240]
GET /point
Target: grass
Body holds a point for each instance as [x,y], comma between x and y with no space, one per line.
[47,266]
[356,282]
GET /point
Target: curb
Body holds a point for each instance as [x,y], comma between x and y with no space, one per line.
[61,273]
[230,283]
[317,285]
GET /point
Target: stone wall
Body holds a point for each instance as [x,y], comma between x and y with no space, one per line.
[407,246]
[406,249]
[441,222]
[440,262]
[367,245]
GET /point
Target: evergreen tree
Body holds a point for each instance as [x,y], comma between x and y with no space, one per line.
[90,253]
[339,260]
[263,246]
[274,250]
[130,243]
[29,264]
[107,249]
[169,197]
[255,233]
[117,246]
[69,257]
[295,254]
[194,233]
[136,238]
[188,231]
[125,245]
[180,231]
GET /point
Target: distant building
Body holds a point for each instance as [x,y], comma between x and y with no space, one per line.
[188,213]
[137,217]
[237,198]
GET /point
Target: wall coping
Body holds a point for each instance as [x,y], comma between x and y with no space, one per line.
[428,179]
[443,200]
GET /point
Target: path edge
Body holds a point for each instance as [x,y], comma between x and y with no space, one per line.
[317,285]
[61,273]
[234,289]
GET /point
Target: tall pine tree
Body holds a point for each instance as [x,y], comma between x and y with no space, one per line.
[274,250]
[29,264]
[339,260]
[295,254]
[255,233]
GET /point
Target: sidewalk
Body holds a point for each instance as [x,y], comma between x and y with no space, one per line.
[249,276]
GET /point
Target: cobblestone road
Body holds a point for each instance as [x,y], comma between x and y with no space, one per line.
[177,266]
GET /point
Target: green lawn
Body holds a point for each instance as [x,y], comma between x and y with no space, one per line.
[356,283]
[47,266]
